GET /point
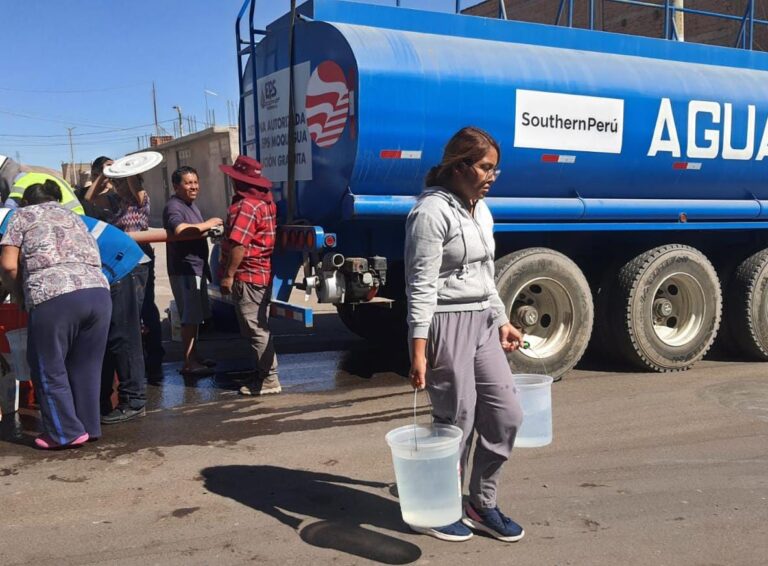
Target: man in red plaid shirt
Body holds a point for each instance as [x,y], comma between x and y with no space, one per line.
[245,266]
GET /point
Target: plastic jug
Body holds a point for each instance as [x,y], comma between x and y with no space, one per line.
[535,394]
[17,339]
[426,461]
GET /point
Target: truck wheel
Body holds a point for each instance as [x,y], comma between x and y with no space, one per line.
[667,308]
[548,297]
[746,308]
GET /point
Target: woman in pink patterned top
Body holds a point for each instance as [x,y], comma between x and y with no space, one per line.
[49,256]
[133,212]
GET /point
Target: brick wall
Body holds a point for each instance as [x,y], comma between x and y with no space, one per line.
[637,20]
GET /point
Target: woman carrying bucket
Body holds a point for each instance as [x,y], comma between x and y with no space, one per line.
[458,327]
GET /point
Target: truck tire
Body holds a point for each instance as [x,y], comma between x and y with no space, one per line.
[546,295]
[666,308]
[745,324]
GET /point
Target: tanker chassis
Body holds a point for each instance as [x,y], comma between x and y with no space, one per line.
[632,211]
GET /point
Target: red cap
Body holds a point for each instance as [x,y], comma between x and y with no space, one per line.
[246,170]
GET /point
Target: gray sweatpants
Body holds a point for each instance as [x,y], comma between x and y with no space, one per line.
[252,307]
[470,386]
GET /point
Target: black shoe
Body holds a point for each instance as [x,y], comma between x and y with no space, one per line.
[122,414]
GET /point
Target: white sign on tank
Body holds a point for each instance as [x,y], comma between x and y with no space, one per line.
[570,122]
[273,91]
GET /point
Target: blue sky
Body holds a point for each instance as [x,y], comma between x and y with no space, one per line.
[89,65]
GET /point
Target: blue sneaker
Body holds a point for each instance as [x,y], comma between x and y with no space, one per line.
[455,532]
[494,523]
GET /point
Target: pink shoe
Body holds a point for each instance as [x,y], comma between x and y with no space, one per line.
[46,442]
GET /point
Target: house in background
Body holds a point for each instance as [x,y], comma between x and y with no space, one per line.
[205,151]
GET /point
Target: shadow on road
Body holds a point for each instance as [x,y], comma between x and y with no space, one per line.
[340,509]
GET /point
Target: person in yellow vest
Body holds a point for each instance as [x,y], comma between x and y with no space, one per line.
[23,180]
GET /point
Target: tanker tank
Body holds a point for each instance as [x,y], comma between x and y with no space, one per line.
[584,133]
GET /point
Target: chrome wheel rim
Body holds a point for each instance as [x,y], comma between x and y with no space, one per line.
[543,309]
[678,309]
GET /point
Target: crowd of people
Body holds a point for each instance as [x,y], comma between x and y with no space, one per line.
[62,270]
[79,261]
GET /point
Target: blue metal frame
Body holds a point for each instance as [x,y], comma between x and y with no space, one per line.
[745,39]
[245,49]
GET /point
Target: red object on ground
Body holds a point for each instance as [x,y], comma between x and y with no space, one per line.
[11,318]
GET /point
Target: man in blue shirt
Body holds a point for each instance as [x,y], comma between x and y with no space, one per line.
[188,269]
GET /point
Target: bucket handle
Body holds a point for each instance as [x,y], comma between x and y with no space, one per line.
[415,440]
[527,346]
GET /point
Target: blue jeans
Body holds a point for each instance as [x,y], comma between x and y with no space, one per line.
[124,354]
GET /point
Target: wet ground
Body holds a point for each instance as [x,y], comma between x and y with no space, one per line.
[644,469]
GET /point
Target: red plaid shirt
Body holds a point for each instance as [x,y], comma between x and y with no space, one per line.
[250,223]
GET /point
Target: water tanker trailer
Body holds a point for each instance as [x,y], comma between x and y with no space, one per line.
[633,205]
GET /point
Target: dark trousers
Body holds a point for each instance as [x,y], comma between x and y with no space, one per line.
[65,339]
[124,354]
[153,341]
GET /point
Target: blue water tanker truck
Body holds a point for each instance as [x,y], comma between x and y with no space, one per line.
[631,210]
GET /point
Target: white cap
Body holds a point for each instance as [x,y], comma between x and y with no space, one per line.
[3,159]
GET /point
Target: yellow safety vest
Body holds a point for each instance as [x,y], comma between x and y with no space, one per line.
[68,198]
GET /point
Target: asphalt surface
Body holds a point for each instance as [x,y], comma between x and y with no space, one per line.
[644,469]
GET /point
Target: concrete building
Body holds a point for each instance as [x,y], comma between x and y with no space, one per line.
[80,174]
[205,151]
[638,20]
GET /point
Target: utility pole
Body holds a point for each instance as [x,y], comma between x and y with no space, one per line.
[72,158]
[154,107]
[181,122]
[679,19]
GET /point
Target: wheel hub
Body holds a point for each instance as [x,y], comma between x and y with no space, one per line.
[527,316]
[663,308]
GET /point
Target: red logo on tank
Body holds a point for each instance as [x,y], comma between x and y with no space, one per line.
[327,104]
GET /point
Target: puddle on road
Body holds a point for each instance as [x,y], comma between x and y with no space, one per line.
[312,372]
[201,410]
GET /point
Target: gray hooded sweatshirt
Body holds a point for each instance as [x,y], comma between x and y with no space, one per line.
[449,260]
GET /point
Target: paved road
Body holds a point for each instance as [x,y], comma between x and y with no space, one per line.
[645,469]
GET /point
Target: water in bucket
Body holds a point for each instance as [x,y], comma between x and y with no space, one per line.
[535,394]
[426,461]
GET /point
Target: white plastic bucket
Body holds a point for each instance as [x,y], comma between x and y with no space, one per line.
[175,319]
[535,394]
[426,461]
[17,340]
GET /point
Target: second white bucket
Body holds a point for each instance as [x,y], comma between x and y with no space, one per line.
[426,460]
[535,394]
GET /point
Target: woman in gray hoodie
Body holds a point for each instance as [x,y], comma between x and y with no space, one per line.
[458,327]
